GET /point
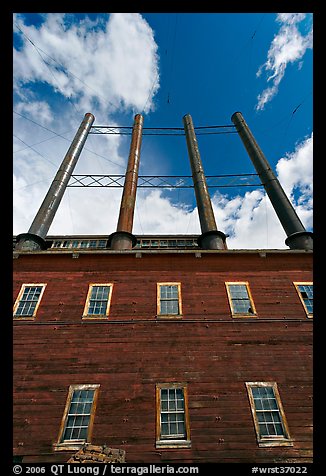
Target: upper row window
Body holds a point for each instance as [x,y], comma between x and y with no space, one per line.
[306,294]
[28,300]
[98,301]
[169,302]
[240,299]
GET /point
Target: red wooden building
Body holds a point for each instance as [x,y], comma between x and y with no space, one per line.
[174,349]
[213,350]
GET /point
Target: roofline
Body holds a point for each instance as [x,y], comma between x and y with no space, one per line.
[160,251]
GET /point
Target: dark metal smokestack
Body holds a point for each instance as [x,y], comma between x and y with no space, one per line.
[211,238]
[35,238]
[123,239]
[297,236]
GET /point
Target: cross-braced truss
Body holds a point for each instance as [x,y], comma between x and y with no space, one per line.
[165,181]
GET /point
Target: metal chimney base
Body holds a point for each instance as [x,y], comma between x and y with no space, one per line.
[121,240]
[30,242]
[301,240]
[212,240]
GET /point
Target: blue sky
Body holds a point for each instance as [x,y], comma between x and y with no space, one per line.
[163,65]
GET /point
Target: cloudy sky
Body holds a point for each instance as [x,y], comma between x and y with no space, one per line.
[163,65]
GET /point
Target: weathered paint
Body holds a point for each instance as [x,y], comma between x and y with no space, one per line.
[131,352]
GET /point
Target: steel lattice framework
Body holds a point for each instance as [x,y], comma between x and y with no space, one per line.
[165,181]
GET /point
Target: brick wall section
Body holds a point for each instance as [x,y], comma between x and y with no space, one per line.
[212,352]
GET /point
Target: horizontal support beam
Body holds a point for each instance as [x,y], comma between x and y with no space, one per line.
[165,181]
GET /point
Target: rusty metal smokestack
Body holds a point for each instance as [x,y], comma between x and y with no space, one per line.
[297,236]
[35,238]
[211,238]
[123,239]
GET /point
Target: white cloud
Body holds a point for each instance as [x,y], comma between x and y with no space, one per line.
[117,67]
[288,46]
[38,109]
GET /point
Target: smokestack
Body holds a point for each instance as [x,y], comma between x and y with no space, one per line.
[211,238]
[35,238]
[297,236]
[123,239]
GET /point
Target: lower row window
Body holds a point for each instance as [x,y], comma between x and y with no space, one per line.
[172,425]
[268,414]
[172,415]
[79,414]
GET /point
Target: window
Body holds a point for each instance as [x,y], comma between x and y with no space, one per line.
[28,301]
[306,294]
[267,411]
[98,301]
[172,420]
[240,299]
[79,244]
[78,417]
[169,299]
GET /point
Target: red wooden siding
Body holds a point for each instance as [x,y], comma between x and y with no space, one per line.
[130,353]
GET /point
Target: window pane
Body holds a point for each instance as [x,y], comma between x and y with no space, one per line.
[169,307]
[238,290]
[269,392]
[164,417]
[173,428]
[268,417]
[265,403]
[172,405]
[258,404]
[271,430]
[279,429]
[75,433]
[180,405]
[67,434]
[273,404]
[241,306]
[83,434]
[73,408]
[255,392]
[168,291]
[165,429]
[181,429]
[164,394]
[263,430]
[276,417]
